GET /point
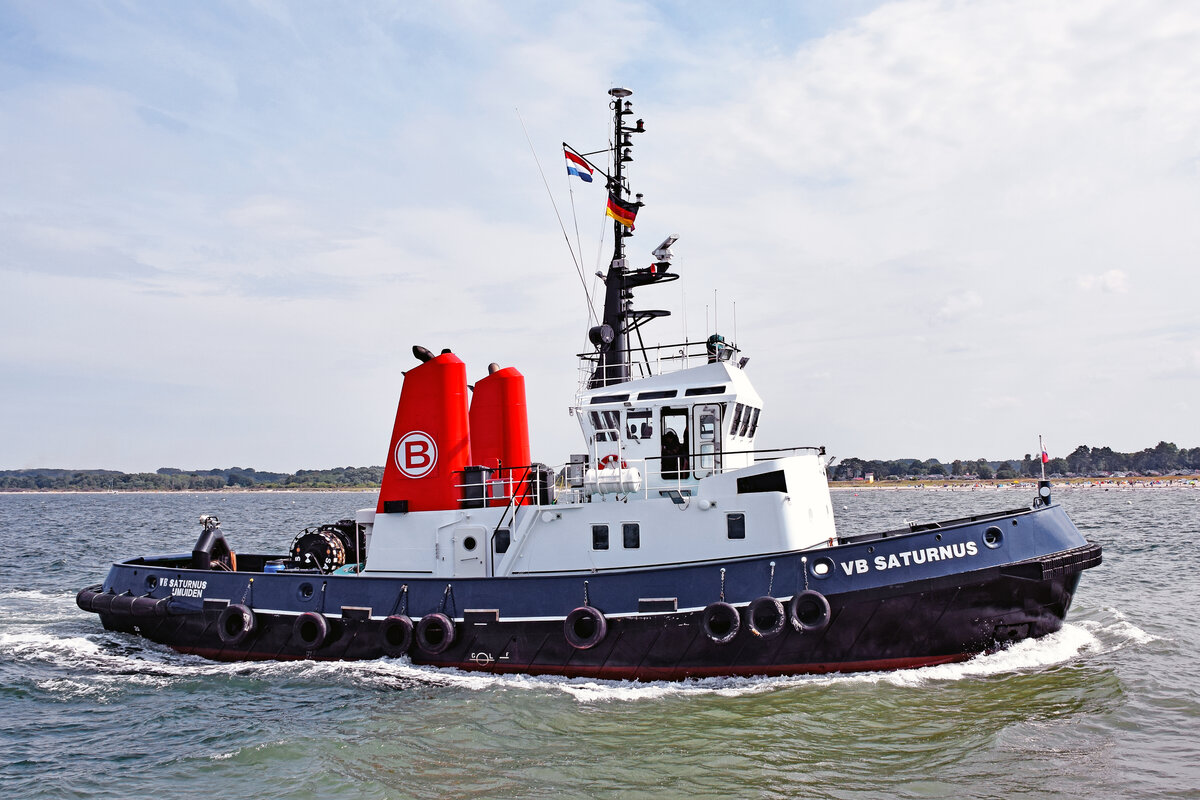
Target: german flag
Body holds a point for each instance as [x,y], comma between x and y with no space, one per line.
[621,211]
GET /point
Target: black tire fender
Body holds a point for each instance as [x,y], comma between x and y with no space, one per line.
[310,630]
[435,633]
[720,622]
[147,607]
[765,617]
[102,602]
[86,596]
[809,611]
[585,627]
[396,635]
[236,623]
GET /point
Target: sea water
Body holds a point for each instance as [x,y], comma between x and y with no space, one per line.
[1107,707]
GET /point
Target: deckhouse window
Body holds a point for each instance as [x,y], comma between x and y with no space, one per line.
[735,525]
[599,537]
[632,533]
[754,423]
[737,419]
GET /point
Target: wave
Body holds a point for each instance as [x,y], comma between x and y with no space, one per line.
[100,664]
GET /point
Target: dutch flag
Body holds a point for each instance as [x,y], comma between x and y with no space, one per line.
[578,167]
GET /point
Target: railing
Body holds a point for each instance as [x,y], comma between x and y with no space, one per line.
[653,477]
[650,360]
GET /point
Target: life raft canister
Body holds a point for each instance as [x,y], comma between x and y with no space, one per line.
[809,611]
[585,627]
[310,630]
[435,633]
[396,635]
[720,622]
[766,617]
[236,623]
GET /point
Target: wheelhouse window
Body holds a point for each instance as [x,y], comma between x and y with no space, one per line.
[735,525]
[632,533]
[744,429]
[753,423]
[599,537]
[737,419]
[607,425]
[639,423]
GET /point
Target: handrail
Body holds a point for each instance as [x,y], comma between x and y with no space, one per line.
[512,503]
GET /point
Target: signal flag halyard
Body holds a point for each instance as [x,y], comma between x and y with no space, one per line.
[621,211]
[577,166]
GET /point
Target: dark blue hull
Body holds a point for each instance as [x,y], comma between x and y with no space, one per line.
[940,593]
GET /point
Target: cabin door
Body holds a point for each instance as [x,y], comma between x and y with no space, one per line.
[468,549]
[706,424]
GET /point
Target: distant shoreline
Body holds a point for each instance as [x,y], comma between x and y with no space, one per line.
[223,490]
[1030,484]
[1163,482]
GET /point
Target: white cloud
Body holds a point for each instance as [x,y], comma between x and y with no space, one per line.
[956,306]
[295,197]
[1114,280]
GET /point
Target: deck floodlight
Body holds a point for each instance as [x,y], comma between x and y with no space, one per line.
[663,251]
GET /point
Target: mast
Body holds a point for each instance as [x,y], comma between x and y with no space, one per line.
[612,336]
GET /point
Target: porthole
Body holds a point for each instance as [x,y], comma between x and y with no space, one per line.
[822,567]
[469,543]
[305,591]
[993,537]
[151,582]
[938,537]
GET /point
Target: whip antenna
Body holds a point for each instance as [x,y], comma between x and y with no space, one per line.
[566,236]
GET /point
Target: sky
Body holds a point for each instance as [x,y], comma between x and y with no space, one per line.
[942,228]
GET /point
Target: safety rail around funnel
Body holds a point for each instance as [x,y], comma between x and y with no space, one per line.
[650,360]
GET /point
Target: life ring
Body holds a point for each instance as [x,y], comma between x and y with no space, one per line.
[236,623]
[766,617]
[809,611]
[612,460]
[720,622]
[396,635]
[585,627]
[310,630]
[435,633]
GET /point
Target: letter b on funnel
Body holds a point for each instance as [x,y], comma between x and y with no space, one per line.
[416,454]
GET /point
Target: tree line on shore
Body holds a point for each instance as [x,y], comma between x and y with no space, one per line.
[171,479]
[1164,458]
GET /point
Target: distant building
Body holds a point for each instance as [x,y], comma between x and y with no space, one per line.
[870,477]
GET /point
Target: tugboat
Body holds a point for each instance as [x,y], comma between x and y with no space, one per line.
[671,548]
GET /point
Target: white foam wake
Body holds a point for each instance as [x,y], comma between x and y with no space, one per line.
[105,663]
